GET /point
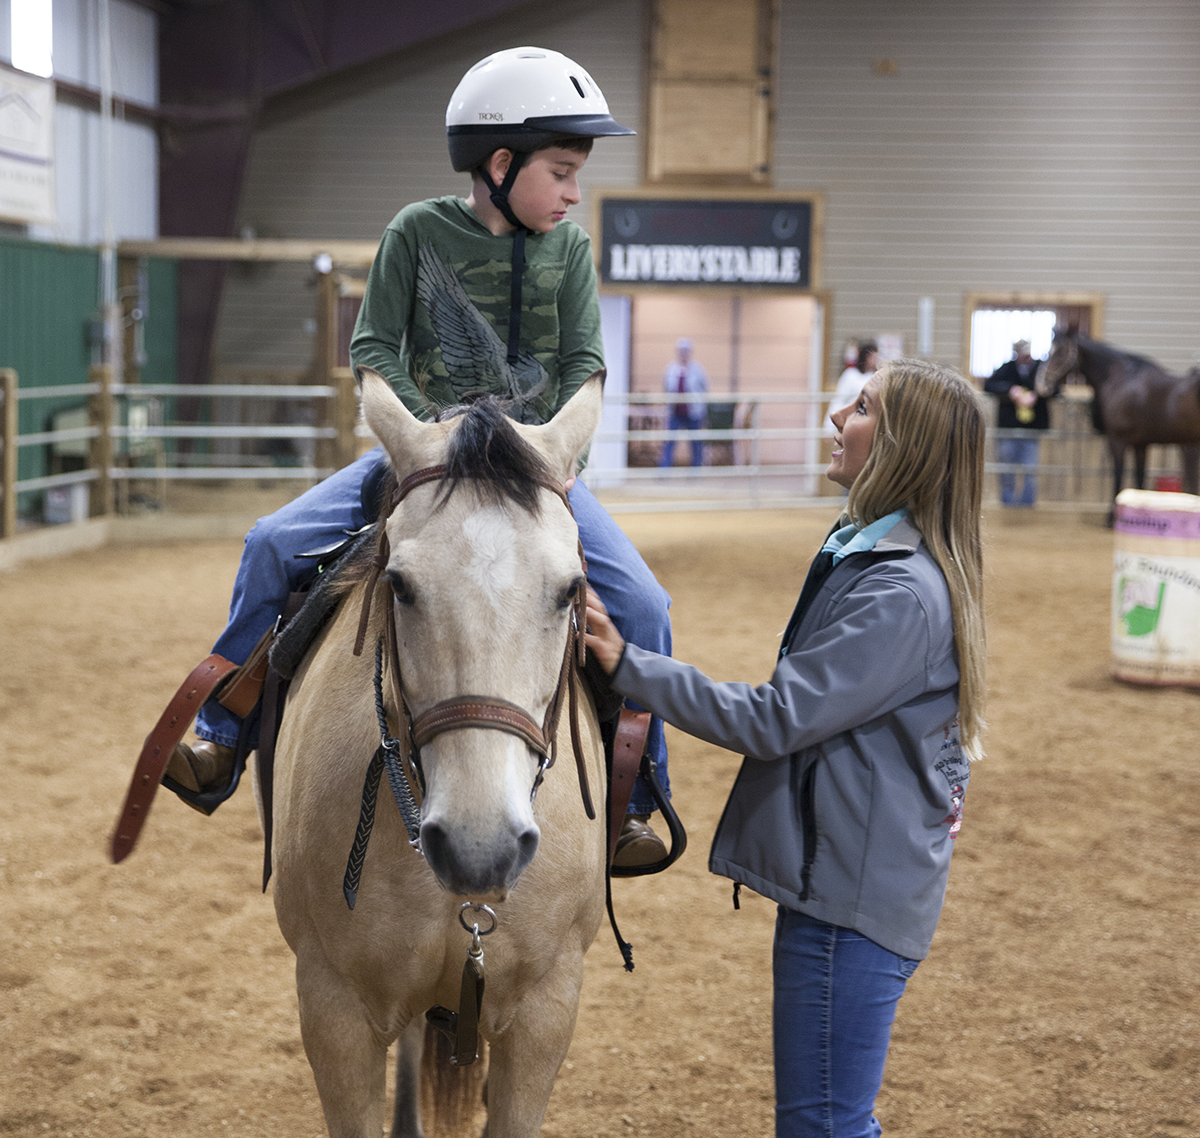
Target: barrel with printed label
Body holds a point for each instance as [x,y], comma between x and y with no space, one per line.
[1156,588]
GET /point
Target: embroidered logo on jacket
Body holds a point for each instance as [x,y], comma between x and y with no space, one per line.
[954,767]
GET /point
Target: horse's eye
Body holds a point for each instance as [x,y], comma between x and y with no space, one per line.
[400,587]
[570,594]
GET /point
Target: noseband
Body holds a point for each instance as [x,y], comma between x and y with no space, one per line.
[481,711]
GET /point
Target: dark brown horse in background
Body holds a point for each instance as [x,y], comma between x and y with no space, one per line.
[1134,403]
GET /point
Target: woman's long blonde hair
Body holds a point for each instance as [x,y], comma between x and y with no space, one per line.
[927,455]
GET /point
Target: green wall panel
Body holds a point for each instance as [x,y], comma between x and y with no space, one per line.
[49,294]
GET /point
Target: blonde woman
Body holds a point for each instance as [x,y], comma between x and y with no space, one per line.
[858,747]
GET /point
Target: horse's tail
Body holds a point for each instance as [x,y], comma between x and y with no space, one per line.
[450,1095]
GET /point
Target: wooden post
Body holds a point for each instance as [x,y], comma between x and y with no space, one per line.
[101,458]
[129,271]
[8,473]
[345,416]
[324,361]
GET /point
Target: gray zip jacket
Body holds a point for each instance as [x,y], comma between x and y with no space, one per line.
[851,792]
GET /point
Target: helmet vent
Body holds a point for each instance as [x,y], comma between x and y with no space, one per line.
[578,87]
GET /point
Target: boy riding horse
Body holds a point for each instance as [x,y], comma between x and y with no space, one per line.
[492,295]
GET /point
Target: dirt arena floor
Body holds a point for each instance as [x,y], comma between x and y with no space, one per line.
[156,998]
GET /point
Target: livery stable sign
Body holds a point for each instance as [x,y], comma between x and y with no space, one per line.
[761,242]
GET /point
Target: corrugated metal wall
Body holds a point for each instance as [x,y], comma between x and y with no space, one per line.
[961,146]
[161,328]
[342,159]
[50,293]
[78,165]
[966,145]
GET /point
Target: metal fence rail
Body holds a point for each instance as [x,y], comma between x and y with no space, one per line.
[1074,469]
[115,448]
[761,448]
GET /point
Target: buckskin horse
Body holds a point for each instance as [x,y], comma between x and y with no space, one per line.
[1135,403]
[479,579]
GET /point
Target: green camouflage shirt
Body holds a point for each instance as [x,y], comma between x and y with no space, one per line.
[434,319]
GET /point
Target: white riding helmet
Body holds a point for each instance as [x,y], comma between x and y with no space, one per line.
[523,98]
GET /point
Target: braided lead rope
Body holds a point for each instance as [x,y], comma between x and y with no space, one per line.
[386,757]
[410,812]
[362,835]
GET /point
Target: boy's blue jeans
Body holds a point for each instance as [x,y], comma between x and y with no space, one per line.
[269,570]
[835,1000]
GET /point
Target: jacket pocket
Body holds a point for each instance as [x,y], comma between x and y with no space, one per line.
[808,827]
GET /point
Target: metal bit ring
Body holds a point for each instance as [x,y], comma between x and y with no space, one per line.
[478,908]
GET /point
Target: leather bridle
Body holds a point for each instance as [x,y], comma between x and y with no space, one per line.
[481,711]
[1048,385]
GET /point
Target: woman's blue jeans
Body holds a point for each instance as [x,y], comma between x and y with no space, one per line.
[835,1000]
[321,516]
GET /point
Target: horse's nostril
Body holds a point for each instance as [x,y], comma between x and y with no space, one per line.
[527,845]
[434,843]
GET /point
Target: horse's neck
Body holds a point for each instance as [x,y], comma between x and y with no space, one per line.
[1097,362]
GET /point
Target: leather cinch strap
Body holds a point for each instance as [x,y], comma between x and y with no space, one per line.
[170,728]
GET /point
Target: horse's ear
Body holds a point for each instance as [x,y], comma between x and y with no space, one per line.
[410,444]
[562,440]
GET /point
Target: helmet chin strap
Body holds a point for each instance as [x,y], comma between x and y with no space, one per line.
[499,198]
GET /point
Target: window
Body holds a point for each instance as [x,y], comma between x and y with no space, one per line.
[992,322]
[33,36]
[995,330]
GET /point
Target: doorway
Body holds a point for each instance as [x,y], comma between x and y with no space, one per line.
[750,345]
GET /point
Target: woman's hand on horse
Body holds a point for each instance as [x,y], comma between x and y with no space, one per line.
[569,483]
[602,637]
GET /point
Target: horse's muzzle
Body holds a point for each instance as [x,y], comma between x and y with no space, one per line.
[469,866]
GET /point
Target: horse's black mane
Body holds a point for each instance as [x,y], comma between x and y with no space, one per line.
[1109,352]
[487,450]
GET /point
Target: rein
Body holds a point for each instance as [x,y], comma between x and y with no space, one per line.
[457,712]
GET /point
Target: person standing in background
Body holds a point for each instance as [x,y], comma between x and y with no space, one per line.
[684,376]
[851,381]
[1020,408]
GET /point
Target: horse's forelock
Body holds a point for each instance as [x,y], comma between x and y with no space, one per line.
[487,450]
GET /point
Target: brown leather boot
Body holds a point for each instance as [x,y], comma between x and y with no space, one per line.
[202,766]
[638,844]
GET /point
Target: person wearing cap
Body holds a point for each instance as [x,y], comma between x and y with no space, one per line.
[1019,408]
[684,376]
[495,294]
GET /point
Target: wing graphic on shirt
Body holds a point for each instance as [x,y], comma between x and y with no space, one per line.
[473,353]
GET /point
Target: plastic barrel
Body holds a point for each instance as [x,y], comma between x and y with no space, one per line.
[1156,588]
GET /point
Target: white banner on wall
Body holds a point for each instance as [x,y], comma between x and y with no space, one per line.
[26,147]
